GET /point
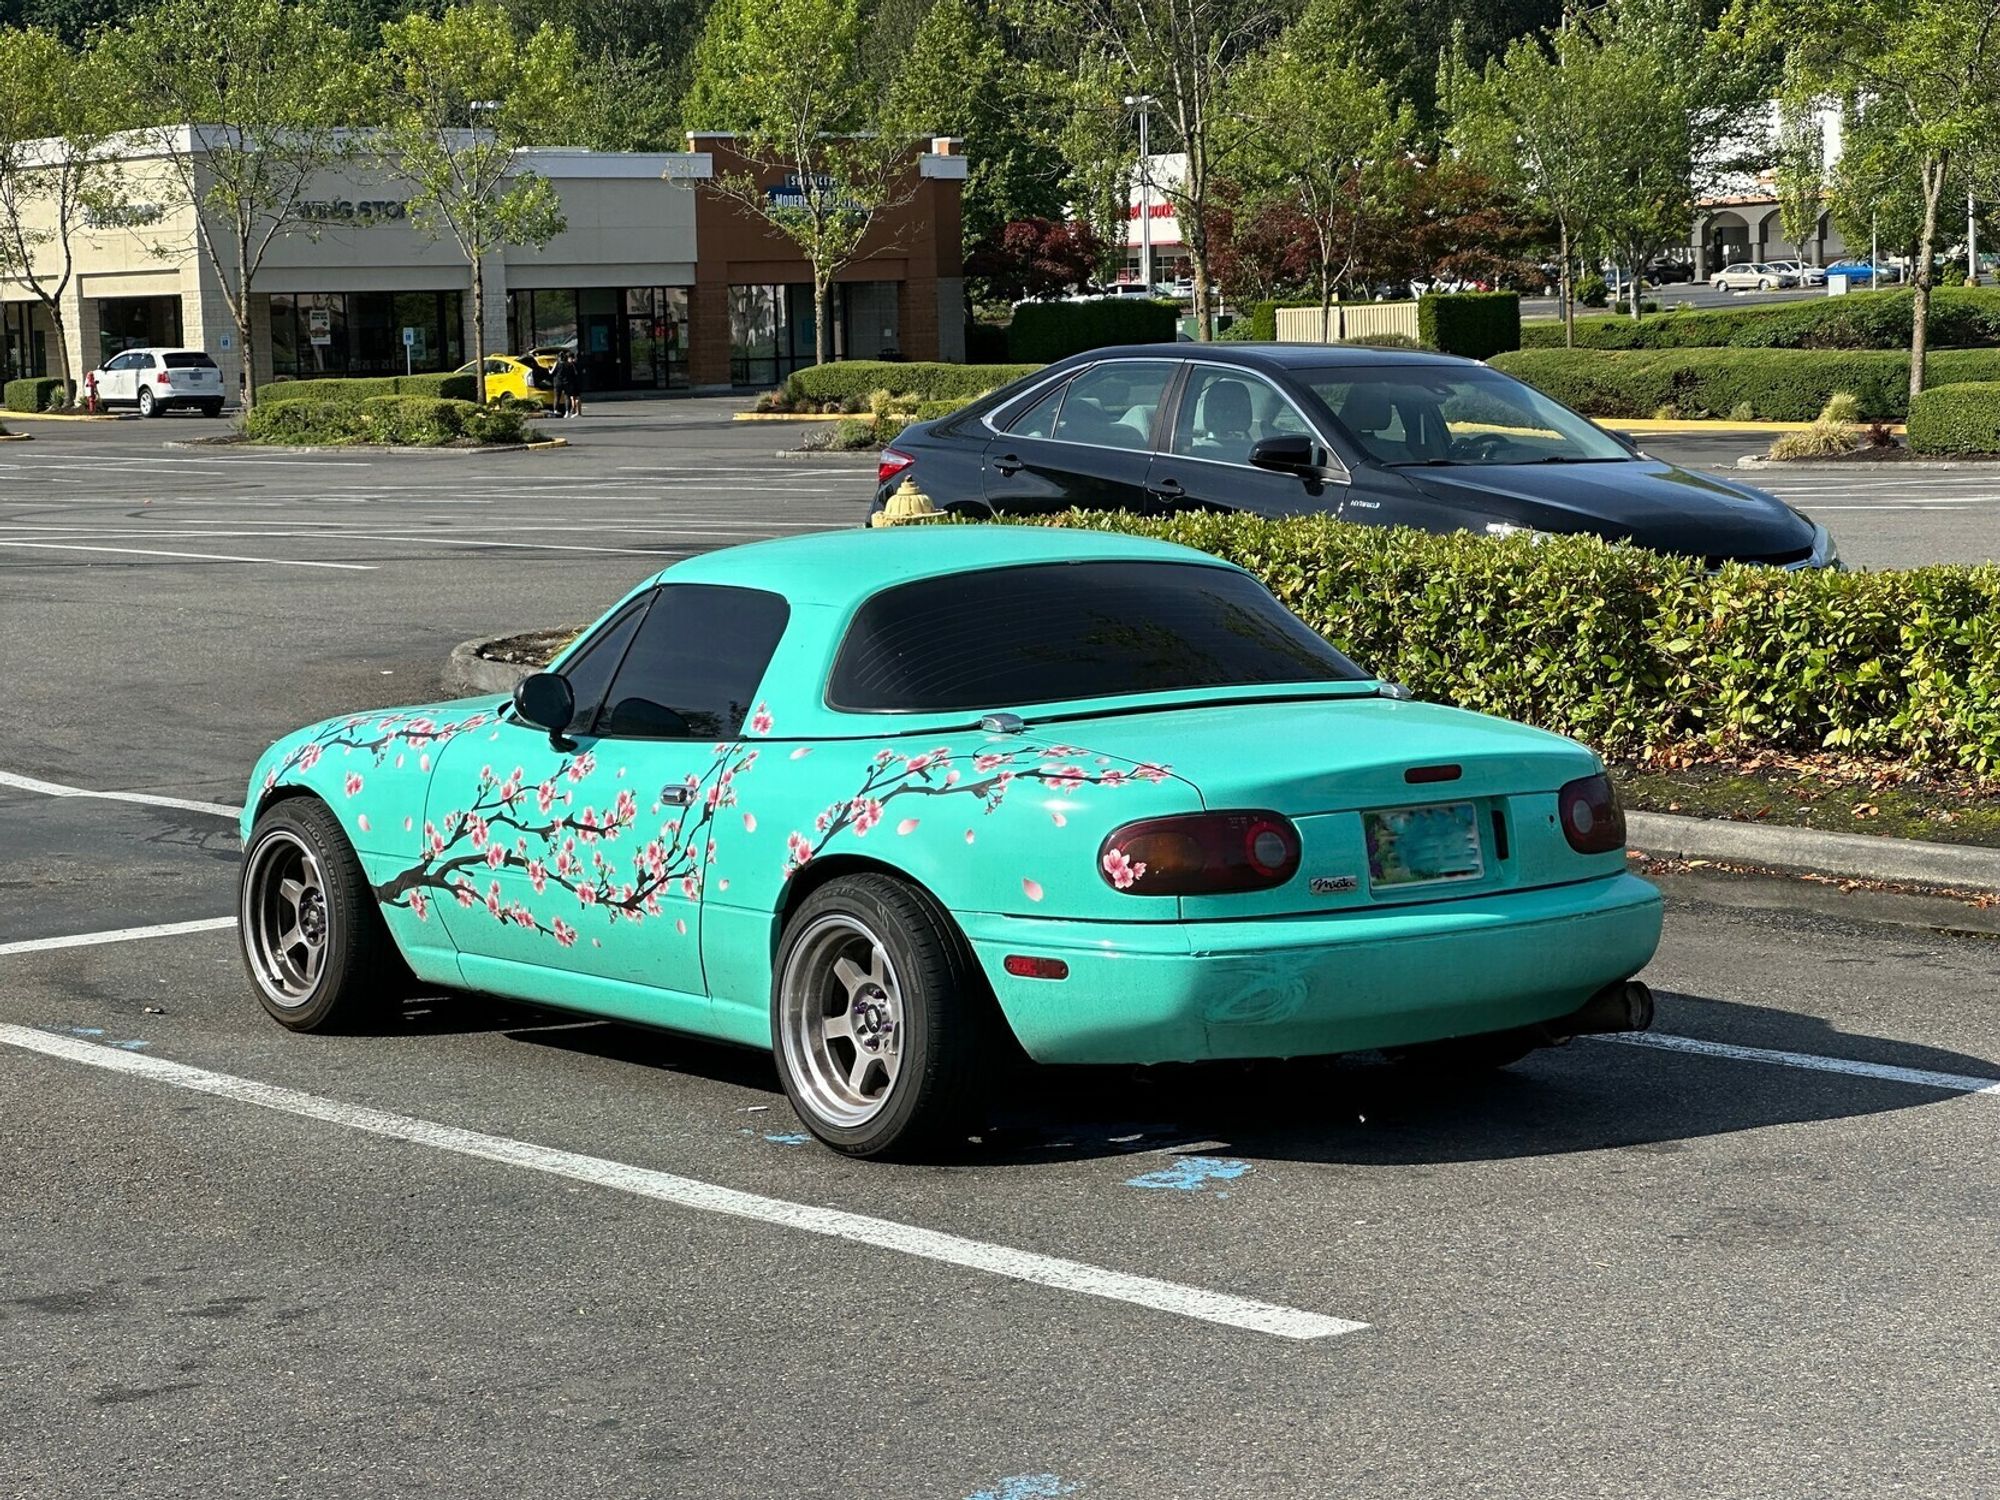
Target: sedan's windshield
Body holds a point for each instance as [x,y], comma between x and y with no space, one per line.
[1450,414]
[1059,632]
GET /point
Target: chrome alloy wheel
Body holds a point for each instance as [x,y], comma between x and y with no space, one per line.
[285,918]
[840,1020]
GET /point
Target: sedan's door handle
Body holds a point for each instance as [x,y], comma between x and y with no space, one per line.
[1167,489]
[1007,467]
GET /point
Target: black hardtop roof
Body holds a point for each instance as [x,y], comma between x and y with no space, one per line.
[1259,356]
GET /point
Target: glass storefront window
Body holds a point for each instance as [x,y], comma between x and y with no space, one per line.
[361,333]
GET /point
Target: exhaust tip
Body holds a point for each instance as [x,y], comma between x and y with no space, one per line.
[1624,1006]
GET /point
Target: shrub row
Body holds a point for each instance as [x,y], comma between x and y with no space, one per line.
[1477,325]
[1962,418]
[1627,649]
[442,387]
[1046,331]
[1959,316]
[34,393]
[397,421]
[1777,385]
[855,380]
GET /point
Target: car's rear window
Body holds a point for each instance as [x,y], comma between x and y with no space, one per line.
[1055,632]
[189,362]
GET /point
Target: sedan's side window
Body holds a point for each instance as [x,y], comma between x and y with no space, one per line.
[1112,405]
[591,669]
[1224,413]
[1039,420]
[695,664]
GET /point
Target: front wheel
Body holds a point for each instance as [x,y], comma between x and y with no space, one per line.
[1766,286]
[317,950]
[877,1013]
[147,406]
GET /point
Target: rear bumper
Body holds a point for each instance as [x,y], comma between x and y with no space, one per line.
[1302,986]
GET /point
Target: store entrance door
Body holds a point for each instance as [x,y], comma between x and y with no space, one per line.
[600,330]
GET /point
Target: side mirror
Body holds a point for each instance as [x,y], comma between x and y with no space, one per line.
[1291,454]
[546,701]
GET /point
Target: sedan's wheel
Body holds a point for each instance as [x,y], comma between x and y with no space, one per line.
[877,1012]
[318,953]
[146,404]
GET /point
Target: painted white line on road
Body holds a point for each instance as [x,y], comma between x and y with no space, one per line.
[144,799]
[118,935]
[278,562]
[1957,1083]
[687,1192]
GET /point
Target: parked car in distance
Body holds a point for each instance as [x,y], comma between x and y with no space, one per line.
[1376,436]
[1802,274]
[521,377]
[1669,272]
[156,380]
[1860,271]
[1750,276]
[901,805]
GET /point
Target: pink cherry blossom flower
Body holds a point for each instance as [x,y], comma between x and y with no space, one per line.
[465,893]
[545,796]
[493,898]
[523,917]
[1064,778]
[984,763]
[1147,771]
[1123,871]
[418,730]
[434,839]
[564,933]
[496,856]
[270,780]
[690,887]
[510,790]
[626,808]
[715,796]
[867,812]
[421,905]
[799,847]
[883,757]
[917,762]
[587,894]
[760,722]
[353,782]
[652,904]
[951,778]
[1112,778]
[582,766]
[477,827]
[709,853]
[309,757]
[538,876]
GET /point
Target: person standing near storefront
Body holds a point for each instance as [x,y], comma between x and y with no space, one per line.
[575,369]
[563,378]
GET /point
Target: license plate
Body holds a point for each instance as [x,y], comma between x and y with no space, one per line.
[1423,845]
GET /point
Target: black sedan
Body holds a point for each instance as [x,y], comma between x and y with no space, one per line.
[1378,436]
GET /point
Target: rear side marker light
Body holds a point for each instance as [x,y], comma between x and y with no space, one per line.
[1026,966]
[892,463]
[1418,775]
[1201,854]
[1592,820]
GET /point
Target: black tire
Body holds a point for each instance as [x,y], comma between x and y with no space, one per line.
[946,1031]
[147,405]
[211,408]
[354,977]
[1464,1057]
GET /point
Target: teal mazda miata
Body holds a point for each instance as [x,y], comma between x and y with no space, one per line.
[897,803]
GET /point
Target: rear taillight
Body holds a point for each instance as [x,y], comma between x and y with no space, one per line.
[1592,820]
[1201,854]
[163,378]
[892,463]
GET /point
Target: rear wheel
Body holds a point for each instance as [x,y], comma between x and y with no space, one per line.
[880,1018]
[314,943]
[211,408]
[147,406]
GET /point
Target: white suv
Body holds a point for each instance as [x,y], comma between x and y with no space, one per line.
[1751,276]
[157,380]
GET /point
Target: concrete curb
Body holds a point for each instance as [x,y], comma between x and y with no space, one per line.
[1862,465]
[1854,856]
[1710,427]
[467,674]
[63,416]
[16,437]
[482,452]
[793,416]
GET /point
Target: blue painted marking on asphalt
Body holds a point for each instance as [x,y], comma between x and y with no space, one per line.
[80,1030]
[787,1137]
[1027,1487]
[132,1046]
[1190,1174]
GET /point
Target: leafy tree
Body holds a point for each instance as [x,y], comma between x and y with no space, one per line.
[1924,76]
[462,95]
[1798,171]
[1035,258]
[245,100]
[785,76]
[59,172]
[1325,137]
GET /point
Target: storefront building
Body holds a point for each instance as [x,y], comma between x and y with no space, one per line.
[657,282]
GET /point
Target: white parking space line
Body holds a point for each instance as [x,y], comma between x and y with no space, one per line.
[687,1192]
[144,799]
[277,562]
[1957,1083]
[117,935]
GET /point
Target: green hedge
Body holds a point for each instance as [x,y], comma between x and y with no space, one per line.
[1962,418]
[857,379]
[362,388]
[397,421]
[33,393]
[1627,649]
[1045,331]
[1777,385]
[1477,325]
[1960,316]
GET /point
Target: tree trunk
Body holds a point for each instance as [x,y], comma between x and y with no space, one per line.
[1204,313]
[822,318]
[1920,302]
[1325,299]
[1566,290]
[479,330]
[63,362]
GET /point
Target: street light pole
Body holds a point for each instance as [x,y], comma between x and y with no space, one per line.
[1971,243]
[1144,104]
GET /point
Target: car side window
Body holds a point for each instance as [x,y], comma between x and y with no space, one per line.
[1223,413]
[695,663]
[143,361]
[1039,420]
[1112,405]
[591,669]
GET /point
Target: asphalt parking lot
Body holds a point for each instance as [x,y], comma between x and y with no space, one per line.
[491,1251]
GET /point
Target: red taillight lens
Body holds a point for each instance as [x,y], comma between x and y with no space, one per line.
[163,378]
[891,464]
[1201,854]
[1592,820]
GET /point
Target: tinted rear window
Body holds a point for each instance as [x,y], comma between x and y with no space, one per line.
[1054,632]
[189,362]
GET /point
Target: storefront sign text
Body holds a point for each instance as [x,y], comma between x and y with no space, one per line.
[348,211]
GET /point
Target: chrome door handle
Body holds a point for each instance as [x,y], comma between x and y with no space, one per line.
[1007,467]
[1166,489]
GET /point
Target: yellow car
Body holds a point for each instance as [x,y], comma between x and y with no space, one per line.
[507,375]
